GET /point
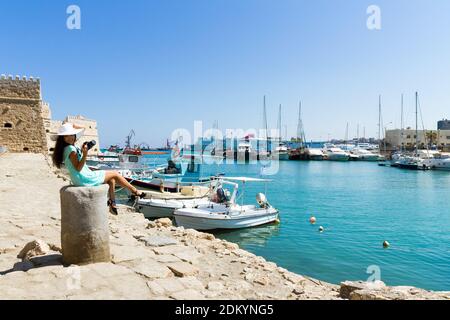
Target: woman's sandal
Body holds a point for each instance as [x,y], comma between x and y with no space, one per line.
[141,195]
[112,207]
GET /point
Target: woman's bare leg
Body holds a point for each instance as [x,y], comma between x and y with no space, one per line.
[114,175]
[112,188]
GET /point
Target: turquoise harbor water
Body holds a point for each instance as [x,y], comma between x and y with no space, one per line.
[360,205]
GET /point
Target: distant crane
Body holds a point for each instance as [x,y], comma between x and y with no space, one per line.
[128,139]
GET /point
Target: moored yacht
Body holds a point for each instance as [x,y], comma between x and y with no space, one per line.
[336,154]
[365,155]
[315,154]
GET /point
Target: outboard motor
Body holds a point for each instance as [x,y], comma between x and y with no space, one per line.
[262,200]
[221,196]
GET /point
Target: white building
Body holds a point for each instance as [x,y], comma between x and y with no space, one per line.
[406,138]
[52,126]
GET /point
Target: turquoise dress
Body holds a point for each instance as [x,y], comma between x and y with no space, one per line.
[86,177]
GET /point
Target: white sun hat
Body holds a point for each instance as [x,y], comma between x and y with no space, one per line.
[67,129]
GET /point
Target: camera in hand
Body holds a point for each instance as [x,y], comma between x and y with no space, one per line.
[90,144]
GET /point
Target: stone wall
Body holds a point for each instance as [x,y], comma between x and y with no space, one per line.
[21,122]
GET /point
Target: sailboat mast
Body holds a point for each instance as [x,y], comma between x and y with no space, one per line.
[357,135]
[417,128]
[346,134]
[379,121]
[402,127]
[279,123]
[300,132]
[265,123]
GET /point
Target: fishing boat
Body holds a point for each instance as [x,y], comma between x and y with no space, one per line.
[169,178]
[227,214]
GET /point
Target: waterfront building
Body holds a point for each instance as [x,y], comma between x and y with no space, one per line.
[21,123]
[406,138]
[444,124]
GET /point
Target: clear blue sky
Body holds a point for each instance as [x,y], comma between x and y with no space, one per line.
[159,65]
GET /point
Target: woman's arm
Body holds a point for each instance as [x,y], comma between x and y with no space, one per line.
[78,165]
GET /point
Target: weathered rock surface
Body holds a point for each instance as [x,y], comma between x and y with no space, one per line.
[33,248]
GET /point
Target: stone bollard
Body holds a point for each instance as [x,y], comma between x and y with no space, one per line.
[84,225]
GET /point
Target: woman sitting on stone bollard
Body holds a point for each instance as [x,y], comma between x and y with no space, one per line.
[74,159]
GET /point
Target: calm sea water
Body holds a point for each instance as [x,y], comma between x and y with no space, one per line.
[360,205]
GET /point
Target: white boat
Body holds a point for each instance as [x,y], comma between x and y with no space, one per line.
[164,204]
[162,208]
[228,214]
[412,163]
[440,161]
[365,155]
[281,152]
[315,154]
[440,164]
[336,154]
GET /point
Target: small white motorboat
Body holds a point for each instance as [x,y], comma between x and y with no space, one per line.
[228,214]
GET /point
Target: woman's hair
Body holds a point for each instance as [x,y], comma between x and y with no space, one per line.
[58,153]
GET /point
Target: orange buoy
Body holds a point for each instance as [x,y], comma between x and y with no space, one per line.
[312,220]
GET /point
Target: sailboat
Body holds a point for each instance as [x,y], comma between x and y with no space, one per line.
[281,150]
[414,162]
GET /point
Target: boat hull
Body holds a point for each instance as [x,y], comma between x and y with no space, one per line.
[337,157]
[164,208]
[224,221]
[152,212]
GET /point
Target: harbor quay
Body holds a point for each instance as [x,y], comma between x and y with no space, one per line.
[149,259]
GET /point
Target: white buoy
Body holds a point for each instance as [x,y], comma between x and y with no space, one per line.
[386,244]
[312,220]
[321,229]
